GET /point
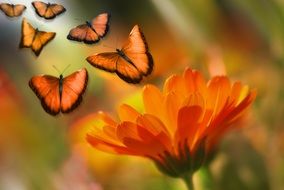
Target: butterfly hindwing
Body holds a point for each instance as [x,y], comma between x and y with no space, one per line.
[40,40]
[12,10]
[48,11]
[46,88]
[33,38]
[90,33]
[127,71]
[73,88]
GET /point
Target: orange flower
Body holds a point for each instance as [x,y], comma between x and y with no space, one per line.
[180,125]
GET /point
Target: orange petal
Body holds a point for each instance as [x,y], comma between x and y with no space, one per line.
[127,130]
[108,147]
[151,145]
[194,99]
[242,106]
[221,123]
[105,133]
[194,80]
[154,126]
[127,113]
[175,83]
[189,80]
[172,104]
[218,92]
[188,122]
[79,129]
[153,99]
[235,92]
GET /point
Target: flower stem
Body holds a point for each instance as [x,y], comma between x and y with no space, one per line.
[187,178]
[206,178]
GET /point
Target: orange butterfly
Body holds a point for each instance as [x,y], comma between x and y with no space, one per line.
[130,63]
[12,10]
[91,32]
[60,94]
[34,38]
[48,11]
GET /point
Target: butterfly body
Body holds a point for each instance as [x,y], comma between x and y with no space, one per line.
[88,23]
[131,63]
[124,56]
[60,85]
[62,94]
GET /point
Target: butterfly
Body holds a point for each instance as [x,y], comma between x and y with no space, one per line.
[131,62]
[91,32]
[48,11]
[34,38]
[12,10]
[60,94]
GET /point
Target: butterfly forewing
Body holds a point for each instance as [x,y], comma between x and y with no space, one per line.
[40,7]
[105,61]
[73,88]
[100,24]
[19,9]
[12,10]
[28,34]
[7,9]
[57,9]
[46,87]
[48,11]
[136,49]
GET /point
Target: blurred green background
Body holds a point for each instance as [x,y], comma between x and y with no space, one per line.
[38,151]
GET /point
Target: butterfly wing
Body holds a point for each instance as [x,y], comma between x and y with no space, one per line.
[105,61]
[11,10]
[34,38]
[19,9]
[127,71]
[56,9]
[83,33]
[46,88]
[28,34]
[136,49]
[7,9]
[40,8]
[73,87]
[48,11]
[40,40]
[101,24]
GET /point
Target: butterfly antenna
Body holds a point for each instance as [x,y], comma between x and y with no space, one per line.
[116,41]
[56,69]
[78,19]
[108,46]
[66,68]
